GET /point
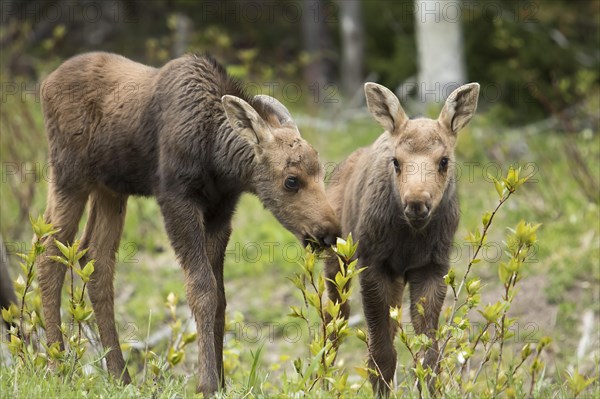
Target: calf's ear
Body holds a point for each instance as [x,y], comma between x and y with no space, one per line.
[460,107]
[385,107]
[246,121]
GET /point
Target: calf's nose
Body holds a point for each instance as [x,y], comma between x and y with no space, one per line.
[330,239]
[417,209]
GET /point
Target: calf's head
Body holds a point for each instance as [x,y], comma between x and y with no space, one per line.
[287,174]
[422,150]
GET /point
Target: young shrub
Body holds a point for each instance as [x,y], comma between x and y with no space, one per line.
[323,347]
[28,326]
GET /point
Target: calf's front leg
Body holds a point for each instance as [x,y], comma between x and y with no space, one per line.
[184,223]
[427,286]
[380,292]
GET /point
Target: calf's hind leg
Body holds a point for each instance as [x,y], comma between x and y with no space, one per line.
[102,235]
[64,210]
[216,245]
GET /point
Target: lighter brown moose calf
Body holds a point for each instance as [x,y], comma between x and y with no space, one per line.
[398,199]
[190,136]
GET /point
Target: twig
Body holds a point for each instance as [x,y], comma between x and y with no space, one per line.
[469,266]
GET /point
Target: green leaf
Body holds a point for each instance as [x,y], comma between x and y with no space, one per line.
[333,309]
[473,285]
[189,338]
[175,356]
[172,299]
[296,312]
[15,345]
[42,229]
[313,300]
[542,343]
[360,334]
[493,311]
[499,187]
[19,285]
[87,271]
[320,284]
[364,372]
[485,219]
[340,280]
[55,353]
[396,313]
[526,232]
[7,315]
[577,383]
[504,273]
[81,313]
[59,259]
[420,308]
[63,249]
[450,278]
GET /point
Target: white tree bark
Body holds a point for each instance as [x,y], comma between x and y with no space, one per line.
[352,36]
[438,29]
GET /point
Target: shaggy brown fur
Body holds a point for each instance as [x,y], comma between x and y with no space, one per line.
[187,134]
[398,199]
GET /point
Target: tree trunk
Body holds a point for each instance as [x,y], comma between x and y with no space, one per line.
[182,31]
[440,48]
[352,35]
[313,15]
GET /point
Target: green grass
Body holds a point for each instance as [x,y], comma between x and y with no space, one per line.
[262,256]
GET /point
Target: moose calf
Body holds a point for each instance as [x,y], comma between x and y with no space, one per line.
[190,136]
[398,199]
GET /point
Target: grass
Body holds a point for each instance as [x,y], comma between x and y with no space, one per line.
[262,341]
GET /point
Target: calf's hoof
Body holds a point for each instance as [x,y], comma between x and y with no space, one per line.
[125,378]
[207,389]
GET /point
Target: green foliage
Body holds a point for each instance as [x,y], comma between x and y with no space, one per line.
[25,343]
[323,348]
[531,54]
[577,383]
[465,356]
[477,358]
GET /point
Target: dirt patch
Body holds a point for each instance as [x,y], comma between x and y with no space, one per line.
[530,305]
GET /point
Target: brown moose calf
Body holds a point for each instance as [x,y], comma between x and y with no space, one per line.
[398,199]
[189,135]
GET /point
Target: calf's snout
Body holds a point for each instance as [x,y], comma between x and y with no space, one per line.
[417,206]
[330,233]
[324,235]
[417,210]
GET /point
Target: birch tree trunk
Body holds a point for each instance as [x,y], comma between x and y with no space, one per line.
[352,35]
[440,50]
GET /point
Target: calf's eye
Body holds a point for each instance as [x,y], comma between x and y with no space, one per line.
[444,164]
[396,165]
[292,183]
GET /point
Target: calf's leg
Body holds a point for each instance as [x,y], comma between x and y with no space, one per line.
[184,223]
[64,210]
[332,267]
[101,236]
[216,246]
[427,285]
[380,292]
